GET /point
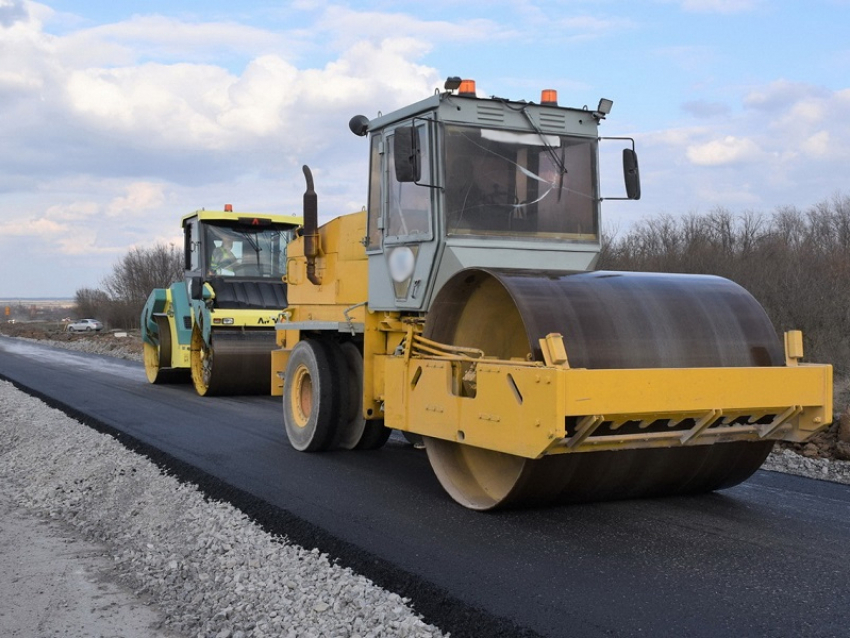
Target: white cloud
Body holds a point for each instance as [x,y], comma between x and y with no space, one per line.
[781,94]
[728,150]
[818,145]
[31,227]
[141,196]
[11,12]
[346,27]
[80,102]
[171,105]
[803,120]
[72,212]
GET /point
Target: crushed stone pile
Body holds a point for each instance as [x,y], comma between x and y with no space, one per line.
[817,468]
[211,570]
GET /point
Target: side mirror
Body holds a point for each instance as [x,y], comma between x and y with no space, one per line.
[406,154]
[631,173]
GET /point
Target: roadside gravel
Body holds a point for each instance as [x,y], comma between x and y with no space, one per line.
[207,568]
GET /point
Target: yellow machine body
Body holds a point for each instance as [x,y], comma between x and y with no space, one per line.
[524,410]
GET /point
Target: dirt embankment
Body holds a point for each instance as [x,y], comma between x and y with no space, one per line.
[118,343]
[832,443]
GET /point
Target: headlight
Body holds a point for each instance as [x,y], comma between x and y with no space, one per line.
[401,262]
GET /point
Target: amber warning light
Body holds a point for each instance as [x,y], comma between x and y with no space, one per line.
[228,208]
[467,88]
[549,97]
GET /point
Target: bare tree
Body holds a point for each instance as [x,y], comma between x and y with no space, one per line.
[123,294]
[91,302]
[141,270]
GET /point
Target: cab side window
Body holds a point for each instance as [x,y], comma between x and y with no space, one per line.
[409,203]
[191,245]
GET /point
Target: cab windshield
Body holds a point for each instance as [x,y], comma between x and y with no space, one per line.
[511,184]
[246,252]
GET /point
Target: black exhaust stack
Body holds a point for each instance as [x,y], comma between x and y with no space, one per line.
[311,227]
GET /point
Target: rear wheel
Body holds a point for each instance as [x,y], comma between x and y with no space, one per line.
[351,382]
[374,436]
[158,358]
[311,397]
[357,432]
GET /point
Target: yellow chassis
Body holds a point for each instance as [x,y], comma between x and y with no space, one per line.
[531,410]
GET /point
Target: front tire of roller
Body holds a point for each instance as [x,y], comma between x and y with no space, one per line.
[203,359]
[310,397]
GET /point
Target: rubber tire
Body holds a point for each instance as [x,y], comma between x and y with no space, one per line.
[311,396]
[354,431]
[351,378]
[159,375]
[200,379]
[374,436]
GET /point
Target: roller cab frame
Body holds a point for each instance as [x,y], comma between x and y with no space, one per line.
[465,301]
[216,327]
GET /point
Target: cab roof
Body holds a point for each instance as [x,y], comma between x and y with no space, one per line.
[237,217]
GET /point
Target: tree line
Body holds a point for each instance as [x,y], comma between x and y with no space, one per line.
[119,300]
[795,262]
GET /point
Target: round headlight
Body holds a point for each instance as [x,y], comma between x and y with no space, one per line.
[401,262]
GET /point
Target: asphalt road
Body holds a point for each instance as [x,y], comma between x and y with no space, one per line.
[767,558]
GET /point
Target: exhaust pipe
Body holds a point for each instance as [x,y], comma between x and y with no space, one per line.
[311,227]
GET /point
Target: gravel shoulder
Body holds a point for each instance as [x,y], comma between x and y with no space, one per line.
[205,568]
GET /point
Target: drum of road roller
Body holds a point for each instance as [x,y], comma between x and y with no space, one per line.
[235,362]
[608,320]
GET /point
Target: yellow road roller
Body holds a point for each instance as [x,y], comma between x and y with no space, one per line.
[216,327]
[462,308]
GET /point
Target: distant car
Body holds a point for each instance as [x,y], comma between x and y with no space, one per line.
[84,325]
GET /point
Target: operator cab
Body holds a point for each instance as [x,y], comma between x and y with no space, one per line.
[457,181]
[237,260]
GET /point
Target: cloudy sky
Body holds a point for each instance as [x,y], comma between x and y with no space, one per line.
[117,118]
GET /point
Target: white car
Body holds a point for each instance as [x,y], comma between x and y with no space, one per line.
[84,325]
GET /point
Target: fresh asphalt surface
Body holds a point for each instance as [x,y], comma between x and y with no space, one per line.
[768,558]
